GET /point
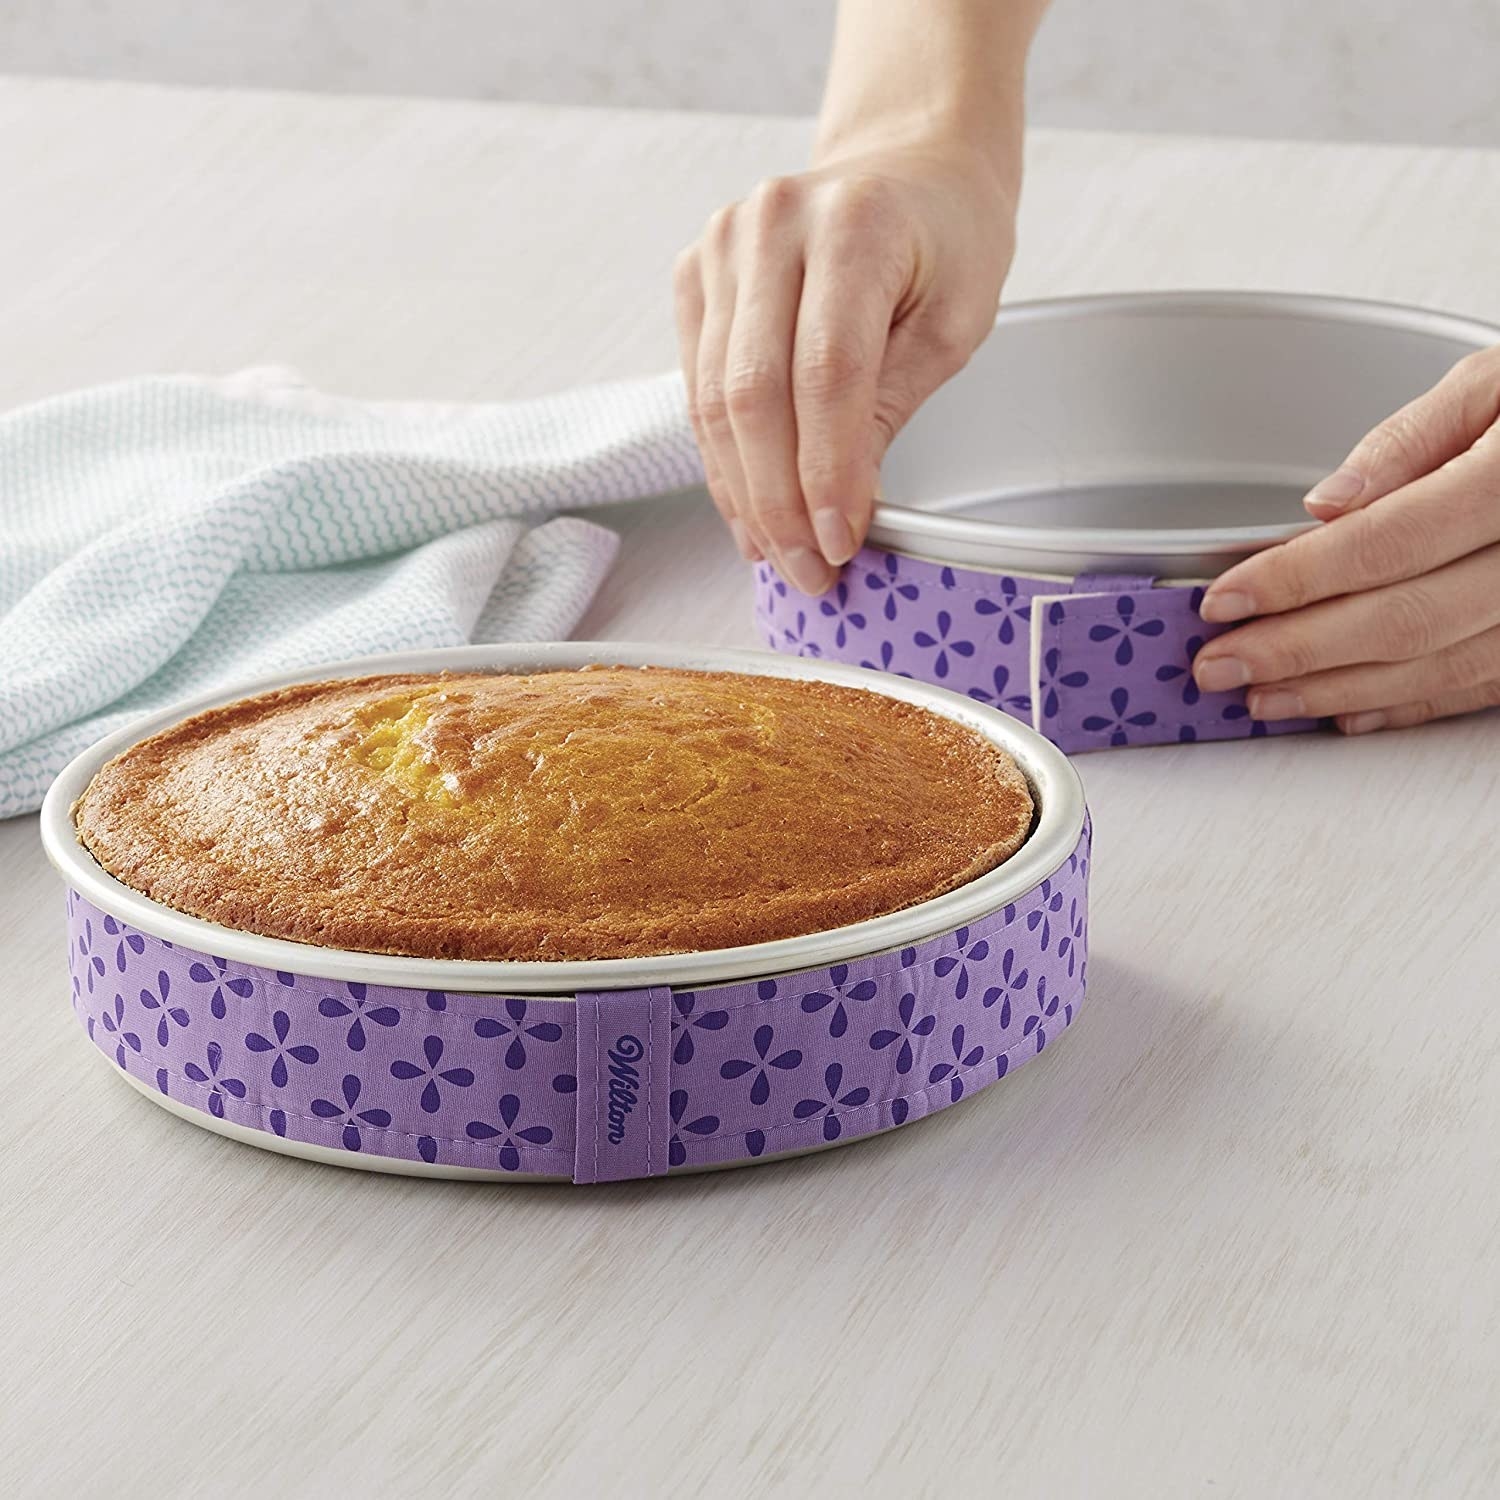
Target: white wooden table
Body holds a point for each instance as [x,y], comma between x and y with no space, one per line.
[1238,1236]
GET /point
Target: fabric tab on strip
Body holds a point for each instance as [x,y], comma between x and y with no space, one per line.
[624,1054]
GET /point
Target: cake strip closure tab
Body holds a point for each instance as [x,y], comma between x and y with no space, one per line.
[624,1087]
[1111,583]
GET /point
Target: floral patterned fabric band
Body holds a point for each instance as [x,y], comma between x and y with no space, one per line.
[627,1084]
[1097,661]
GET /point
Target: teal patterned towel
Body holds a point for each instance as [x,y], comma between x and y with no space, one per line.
[165,536]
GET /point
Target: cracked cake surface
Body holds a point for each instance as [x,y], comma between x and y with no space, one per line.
[604,812]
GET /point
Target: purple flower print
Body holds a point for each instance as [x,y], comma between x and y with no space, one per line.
[1184,670]
[436,1000]
[942,644]
[837,608]
[912,1027]
[795,638]
[831,1102]
[760,1083]
[158,999]
[1052,678]
[1009,605]
[1046,1008]
[114,1023]
[281,1029]
[677,1107]
[217,976]
[211,1079]
[513,1025]
[887,655]
[507,1134]
[432,1050]
[358,1006]
[968,953]
[888,582]
[685,1016]
[755,1142]
[1128,626]
[816,1000]
[351,1117]
[1119,701]
[129,942]
[1070,944]
[94,965]
[1012,982]
[1019,703]
[427,1149]
[953,1071]
[1041,916]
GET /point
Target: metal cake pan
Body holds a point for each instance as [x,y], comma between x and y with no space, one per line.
[1169,433]
[1052,515]
[230,1029]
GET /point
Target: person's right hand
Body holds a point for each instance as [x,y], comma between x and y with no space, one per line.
[815,317]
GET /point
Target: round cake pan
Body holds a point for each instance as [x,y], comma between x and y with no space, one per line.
[585,1071]
[1051,516]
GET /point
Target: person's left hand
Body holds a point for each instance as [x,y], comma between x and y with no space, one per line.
[1389,614]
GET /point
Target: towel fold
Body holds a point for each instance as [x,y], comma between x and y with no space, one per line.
[167,536]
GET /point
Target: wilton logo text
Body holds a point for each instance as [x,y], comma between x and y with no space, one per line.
[624,1084]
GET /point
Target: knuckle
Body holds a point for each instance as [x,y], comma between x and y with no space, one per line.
[685,271]
[775,199]
[1397,441]
[826,365]
[718,233]
[1385,543]
[863,200]
[713,411]
[780,519]
[753,388]
[950,341]
[822,475]
[1279,657]
[1409,624]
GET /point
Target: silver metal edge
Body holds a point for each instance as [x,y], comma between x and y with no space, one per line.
[1055,785]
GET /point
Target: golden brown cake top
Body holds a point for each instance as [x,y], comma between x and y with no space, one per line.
[609,812]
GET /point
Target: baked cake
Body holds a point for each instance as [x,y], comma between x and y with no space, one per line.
[609,812]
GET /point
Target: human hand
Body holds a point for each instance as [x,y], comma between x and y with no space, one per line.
[1389,614]
[816,316]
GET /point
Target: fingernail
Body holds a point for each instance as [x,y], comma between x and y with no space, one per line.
[1363,723]
[835,536]
[748,550]
[1280,703]
[1228,605]
[1220,674]
[1338,492]
[805,570]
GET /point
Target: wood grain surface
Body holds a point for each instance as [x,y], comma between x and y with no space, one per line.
[1238,1235]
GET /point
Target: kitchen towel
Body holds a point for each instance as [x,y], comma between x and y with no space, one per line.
[166,536]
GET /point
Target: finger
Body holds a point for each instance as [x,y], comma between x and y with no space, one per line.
[1379,685]
[687,290]
[1433,520]
[1419,711]
[857,269]
[758,387]
[719,292]
[1402,622]
[1425,434]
